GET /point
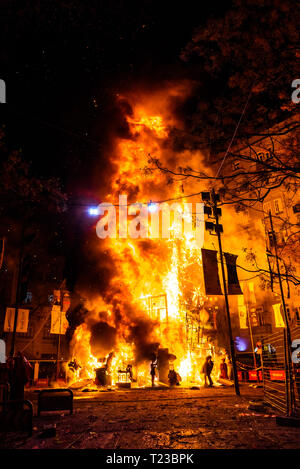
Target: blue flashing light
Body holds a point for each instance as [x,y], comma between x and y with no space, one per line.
[152,207]
[93,211]
[241,344]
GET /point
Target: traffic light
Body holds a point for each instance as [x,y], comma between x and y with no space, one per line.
[207,210]
[272,238]
[209,226]
[205,196]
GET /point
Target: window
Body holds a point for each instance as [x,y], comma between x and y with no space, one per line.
[267,207]
[296,208]
[278,207]
[235,165]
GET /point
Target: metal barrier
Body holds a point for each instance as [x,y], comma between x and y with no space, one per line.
[281,387]
[55,399]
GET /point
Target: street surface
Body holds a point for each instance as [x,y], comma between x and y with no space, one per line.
[212,418]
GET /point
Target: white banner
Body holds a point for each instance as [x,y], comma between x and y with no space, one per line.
[242,312]
[22,321]
[59,322]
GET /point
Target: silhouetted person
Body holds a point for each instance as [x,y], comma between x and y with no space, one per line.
[129,370]
[207,369]
[174,378]
[153,371]
[229,368]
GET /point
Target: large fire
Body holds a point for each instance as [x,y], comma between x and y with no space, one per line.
[154,309]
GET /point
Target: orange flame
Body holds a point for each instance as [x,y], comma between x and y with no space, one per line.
[149,274]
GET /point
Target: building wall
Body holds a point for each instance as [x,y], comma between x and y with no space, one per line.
[249,230]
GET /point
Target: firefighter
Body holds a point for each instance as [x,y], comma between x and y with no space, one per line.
[174,378]
[207,369]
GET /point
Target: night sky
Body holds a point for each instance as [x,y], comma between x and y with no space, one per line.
[63,64]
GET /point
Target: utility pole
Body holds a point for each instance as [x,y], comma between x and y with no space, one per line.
[251,337]
[18,290]
[61,297]
[218,228]
[288,342]
[232,351]
[58,346]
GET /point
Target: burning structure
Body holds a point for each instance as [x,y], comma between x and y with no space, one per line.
[155,307]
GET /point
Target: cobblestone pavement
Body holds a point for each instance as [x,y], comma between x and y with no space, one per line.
[159,419]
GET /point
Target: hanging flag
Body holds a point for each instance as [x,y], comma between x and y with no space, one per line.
[59,322]
[233,286]
[210,272]
[242,312]
[22,321]
[9,320]
[279,322]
